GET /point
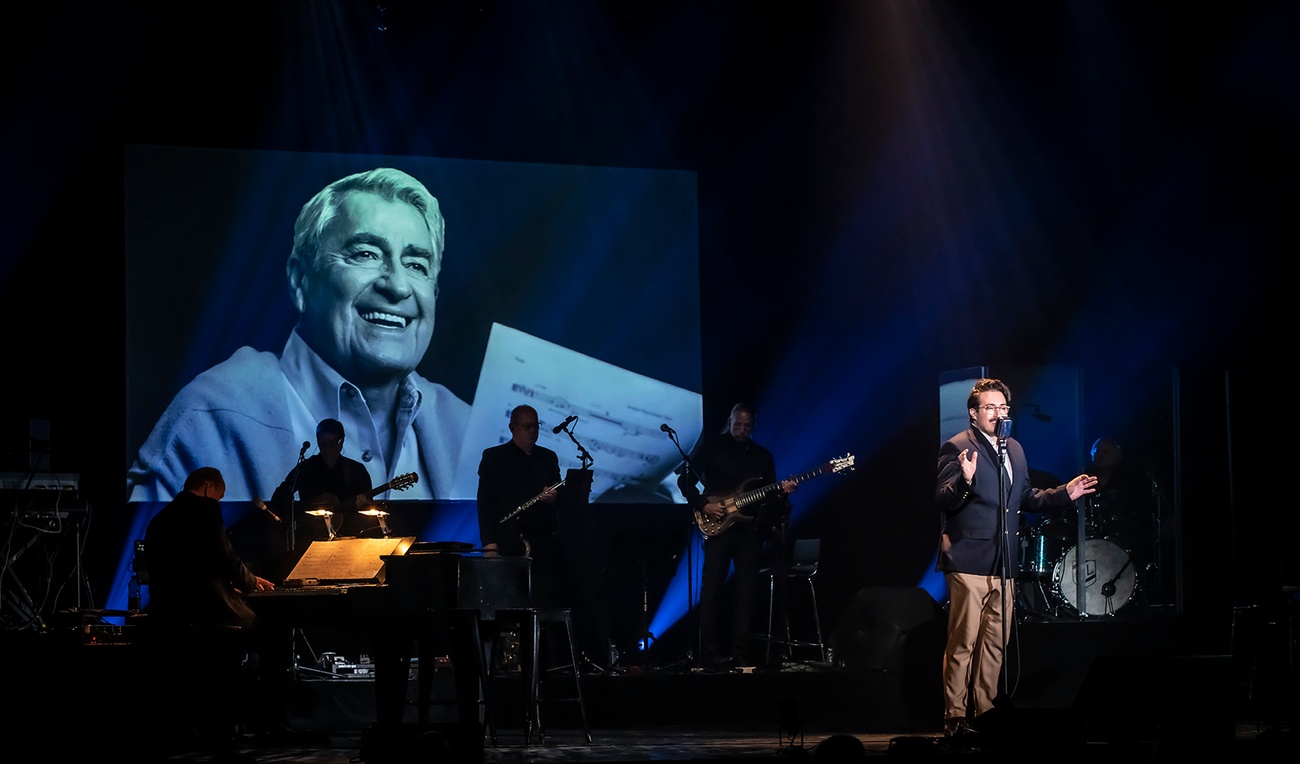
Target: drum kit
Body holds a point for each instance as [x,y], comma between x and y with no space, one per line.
[1052,565]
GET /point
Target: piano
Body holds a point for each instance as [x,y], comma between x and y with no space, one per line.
[429,603]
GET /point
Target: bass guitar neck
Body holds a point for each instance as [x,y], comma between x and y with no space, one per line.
[733,504]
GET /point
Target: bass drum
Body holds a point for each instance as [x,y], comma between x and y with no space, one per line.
[1109,578]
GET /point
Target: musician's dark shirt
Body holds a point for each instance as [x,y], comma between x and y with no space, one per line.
[316,481]
[195,575]
[508,477]
[725,465]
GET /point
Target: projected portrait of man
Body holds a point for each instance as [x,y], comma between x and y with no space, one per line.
[363,277]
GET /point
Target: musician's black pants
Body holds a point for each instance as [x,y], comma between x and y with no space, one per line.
[204,682]
[191,676]
[741,545]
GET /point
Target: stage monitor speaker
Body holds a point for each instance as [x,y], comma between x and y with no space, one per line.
[1181,703]
[878,621]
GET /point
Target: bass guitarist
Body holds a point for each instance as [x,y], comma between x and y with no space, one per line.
[727,464]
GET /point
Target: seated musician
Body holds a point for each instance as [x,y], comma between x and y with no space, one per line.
[512,474]
[197,616]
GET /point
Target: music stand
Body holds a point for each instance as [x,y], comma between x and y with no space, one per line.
[347,561]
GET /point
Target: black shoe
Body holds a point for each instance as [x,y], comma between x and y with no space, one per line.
[959,729]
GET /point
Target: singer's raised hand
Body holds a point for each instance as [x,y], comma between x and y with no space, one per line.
[1081,485]
[968,460]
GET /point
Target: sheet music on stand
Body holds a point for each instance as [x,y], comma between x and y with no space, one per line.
[346,561]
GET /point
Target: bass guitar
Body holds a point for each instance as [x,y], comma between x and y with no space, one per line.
[736,501]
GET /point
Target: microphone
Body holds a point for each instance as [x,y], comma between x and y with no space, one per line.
[306,444]
[259,504]
[1004,428]
[665,428]
[557,428]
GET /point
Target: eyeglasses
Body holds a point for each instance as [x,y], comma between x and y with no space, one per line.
[990,408]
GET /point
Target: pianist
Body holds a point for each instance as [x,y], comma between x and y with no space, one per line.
[196,615]
[195,575]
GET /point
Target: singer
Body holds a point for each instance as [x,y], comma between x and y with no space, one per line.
[977,551]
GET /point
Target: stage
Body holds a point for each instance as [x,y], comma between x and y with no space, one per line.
[1097,686]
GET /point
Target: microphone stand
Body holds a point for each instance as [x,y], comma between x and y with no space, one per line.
[293,514]
[686,466]
[1003,432]
[295,633]
[585,457]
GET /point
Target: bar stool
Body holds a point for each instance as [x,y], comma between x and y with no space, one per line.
[802,566]
[457,631]
[530,622]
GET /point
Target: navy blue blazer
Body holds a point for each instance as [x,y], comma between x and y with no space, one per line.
[969,511]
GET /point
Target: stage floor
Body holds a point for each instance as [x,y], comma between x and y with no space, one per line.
[1087,690]
[688,744]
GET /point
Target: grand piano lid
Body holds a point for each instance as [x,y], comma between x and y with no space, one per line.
[453,547]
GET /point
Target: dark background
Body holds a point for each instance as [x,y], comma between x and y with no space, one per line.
[887,190]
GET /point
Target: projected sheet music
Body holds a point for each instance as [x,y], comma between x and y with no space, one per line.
[619,416]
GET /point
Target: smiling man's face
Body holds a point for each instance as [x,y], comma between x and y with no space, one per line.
[367,303]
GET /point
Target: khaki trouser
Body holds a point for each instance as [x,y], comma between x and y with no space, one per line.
[972,660]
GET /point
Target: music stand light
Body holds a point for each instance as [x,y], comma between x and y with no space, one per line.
[381,515]
[329,520]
